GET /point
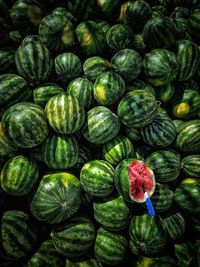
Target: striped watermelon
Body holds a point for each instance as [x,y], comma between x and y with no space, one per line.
[83,157]
[67,66]
[82,89]
[191,166]
[147,235]
[188,138]
[162,198]
[177,123]
[83,9]
[60,152]
[127,63]
[117,149]
[57,198]
[159,10]
[19,175]
[91,38]
[137,108]
[7,58]
[46,256]
[25,124]
[133,133]
[194,20]
[74,238]
[165,164]
[101,125]
[33,62]
[13,89]
[108,88]
[161,132]
[110,248]
[139,84]
[65,113]
[56,32]
[138,43]
[188,57]
[84,263]
[64,12]
[44,92]
[94,66]
[7,148]
[105,26]
[183,254]
[96,178]
[18,234]
[187,196]
[160,67]
[164,261]
[112,213]
[165,93]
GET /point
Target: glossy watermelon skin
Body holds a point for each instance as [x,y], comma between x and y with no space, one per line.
[94,66]
[117,149]
[188,57]
[112,213]
[188,138]
[84,263]
[194,20]
[162,198]
[96,178]
[47,256]
[160,67]
[191,166]
[110,248]
[161,132]
[147,235]
[166,93]
[74,238]
[60,152]
[137,108]
[25,124]
[186,196]
[33,62]
[67,66]
[64,12]
[43,92]
[13,89]
[127,63]
[165,164]
[7,58]
[159,32]
[58,111]
[108,88]
[119,37]
[91,38]
[110,125]
[7,148]
[83,90]
[18,234]
[57,198]
[19,175]
[56,32]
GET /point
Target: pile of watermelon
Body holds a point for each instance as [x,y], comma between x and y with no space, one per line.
[99,109]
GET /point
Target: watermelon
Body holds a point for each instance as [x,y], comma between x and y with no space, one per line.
[94,66]
[108,88]
[110,248]
[25,124]
[164,261]
[59,110]
[166,93]
[105,26]
[133,133]
[33,62]
[183,254]
[112,213]
[165,164]
[101,125]
[138,43]
[108,7]
[90,262]
[82,89]
[19,175]
[194,20]
[83,9]
[56,32]
[64,12]
[137,108]
[159,10]
[67,66]
[96,178]
[117,149]
[187,196]
[160,67]
[188,85]
[57,198]
[180,12]
[74,238]
[83,157]
[18,234]
[161,132]
[191,166]
[177,123]
[91,38]
[147,235]
[139,84]
[7,148]
[60,152]
[127,63]
[131,177]
[7,58]
[43,92]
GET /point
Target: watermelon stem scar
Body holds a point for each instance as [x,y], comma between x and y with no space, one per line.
[140,177]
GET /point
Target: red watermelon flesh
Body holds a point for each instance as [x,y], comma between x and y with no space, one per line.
[140,177]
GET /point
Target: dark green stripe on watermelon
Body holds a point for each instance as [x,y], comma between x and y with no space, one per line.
[64,12]
[191,165]
[7,148]
[194,20]
[7,58]
[85,262]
